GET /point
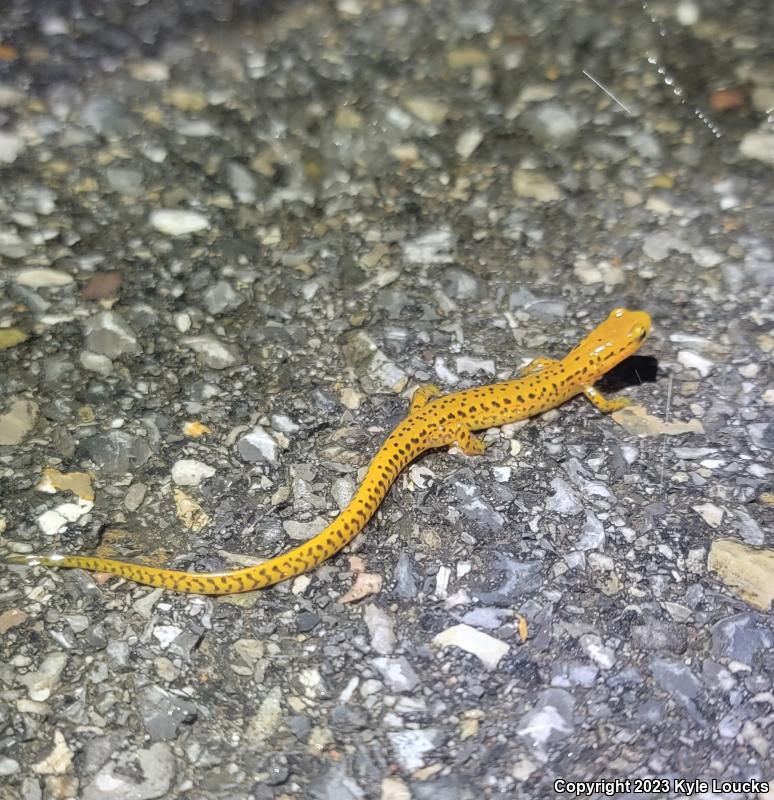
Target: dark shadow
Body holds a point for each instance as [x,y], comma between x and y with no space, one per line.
[632,372]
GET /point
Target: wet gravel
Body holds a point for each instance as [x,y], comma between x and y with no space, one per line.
[233,238]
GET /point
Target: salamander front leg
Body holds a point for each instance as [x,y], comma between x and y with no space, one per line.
[423,395]
[602,403]
[536,365]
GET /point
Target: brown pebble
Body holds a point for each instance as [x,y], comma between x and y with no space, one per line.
[729,99]
[103,284]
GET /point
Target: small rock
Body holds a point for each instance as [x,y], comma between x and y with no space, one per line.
[758,145]
[477,510]
[9,766]
[521,578]
[301,531]
[178,222]
[692,360]
[564,500]
[593,535]
[334,784]
[241,181]
[348,719]
[116,452]
[636,420]
[259,445]
[486,648]
[410,747]
[380,628]
[687,13]
[434,247]
[11,618]
[94,362]
[394,789]
[747,571]
[136,774]
[212,352]
[58,761]
[429,110]
[660,636]
[602,272]
[264,722]
[658,246]
[710,513]
[468,141]
[602,656]
[461,284]
[397,672]
[551,122]
[41,682]
[10,337]
[307,621]
[43,278]
[221,297]
[535,185]
[405,577]
[162,712]
[11,147]
[377,373]
[109,335]
[467,365]
[125,181]
[102,285]
[189,472]
[676,679]
[488,617]
[762,435]
[550,721]
[740,638]
[18,421]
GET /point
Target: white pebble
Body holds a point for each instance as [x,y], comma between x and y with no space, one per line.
[189,472]
[178,221]
[692,360]
[687,13]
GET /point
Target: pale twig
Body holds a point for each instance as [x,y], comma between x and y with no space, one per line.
[607,92]
[664,447]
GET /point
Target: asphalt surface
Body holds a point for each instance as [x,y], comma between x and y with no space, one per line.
[233,239]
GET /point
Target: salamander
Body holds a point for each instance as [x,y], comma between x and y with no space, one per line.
[434,420]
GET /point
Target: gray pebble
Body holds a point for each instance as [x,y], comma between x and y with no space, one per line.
[116,452]
[740,638]
[162,712]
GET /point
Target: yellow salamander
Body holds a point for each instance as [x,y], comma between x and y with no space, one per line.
[434,420]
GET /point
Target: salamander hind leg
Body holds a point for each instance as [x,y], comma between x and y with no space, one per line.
[602,403]
[469,443]
[460,435]
[423,395]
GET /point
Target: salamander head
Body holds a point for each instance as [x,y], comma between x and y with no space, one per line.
[620,335]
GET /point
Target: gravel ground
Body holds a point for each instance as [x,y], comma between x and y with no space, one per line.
[232,241]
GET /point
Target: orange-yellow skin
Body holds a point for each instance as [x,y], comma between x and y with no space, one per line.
[434,420]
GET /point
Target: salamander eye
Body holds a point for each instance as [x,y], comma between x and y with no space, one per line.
[638,332]
[617,312]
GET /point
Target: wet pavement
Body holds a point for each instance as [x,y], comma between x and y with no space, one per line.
[233,239]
